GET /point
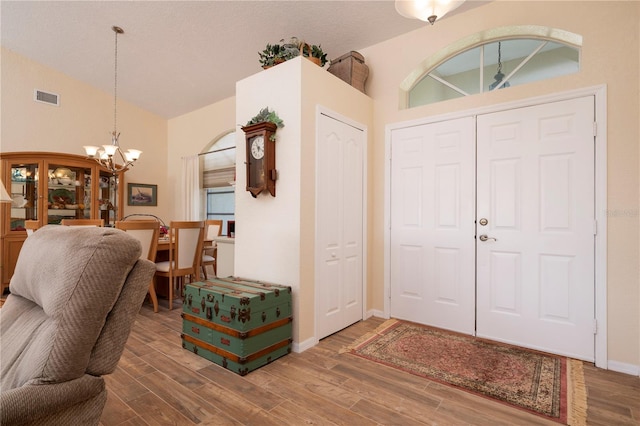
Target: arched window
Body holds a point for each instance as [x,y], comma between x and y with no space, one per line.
[218,179]
[492,60]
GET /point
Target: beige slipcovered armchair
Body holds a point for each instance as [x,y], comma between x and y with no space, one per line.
[74,296]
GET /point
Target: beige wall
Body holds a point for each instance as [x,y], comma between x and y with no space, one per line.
[84,117]
[191,134]
[609,56]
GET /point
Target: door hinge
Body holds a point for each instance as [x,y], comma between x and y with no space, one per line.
[595,326]
[595,128]
[595,227]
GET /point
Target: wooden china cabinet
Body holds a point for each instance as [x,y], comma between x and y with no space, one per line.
[48,187]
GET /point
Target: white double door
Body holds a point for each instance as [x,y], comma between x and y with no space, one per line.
[492,226]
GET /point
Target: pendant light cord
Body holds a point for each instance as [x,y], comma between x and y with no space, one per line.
[115,86]
[116,30]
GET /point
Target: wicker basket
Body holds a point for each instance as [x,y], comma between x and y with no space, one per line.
[350,68]
[305,50]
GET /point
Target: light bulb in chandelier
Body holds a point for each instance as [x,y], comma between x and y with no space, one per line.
[110,150]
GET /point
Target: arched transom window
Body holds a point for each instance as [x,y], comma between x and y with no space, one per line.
[492,60]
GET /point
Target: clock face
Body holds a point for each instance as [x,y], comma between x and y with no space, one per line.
[257,147]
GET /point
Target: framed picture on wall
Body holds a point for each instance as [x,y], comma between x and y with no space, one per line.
[140,194]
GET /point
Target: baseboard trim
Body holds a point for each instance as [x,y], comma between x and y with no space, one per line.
[623,367]
[298,347]
[376,313]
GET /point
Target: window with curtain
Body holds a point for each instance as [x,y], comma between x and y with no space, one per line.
[218,179]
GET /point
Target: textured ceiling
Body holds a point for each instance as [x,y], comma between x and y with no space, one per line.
[178,56]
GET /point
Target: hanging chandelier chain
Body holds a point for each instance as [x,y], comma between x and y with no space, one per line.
[116,30]
[115,85]
[499,57]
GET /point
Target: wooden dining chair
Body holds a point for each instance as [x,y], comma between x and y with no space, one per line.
[82,222]
[185,254]
[147,233]
[31,226]
[213,229]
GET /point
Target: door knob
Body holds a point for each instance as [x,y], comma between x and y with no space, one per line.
[486,238]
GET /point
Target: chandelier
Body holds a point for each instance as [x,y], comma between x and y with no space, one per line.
[426,10]
[111,157]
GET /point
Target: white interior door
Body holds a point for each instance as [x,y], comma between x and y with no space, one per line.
[432,224]
[339,225]
[535,281]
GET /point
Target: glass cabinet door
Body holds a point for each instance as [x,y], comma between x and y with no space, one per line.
[68,192]
[24,194]
[107,198]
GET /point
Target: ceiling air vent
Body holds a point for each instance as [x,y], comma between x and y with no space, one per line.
[47,98]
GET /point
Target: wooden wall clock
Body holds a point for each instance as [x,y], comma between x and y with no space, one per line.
[261,158]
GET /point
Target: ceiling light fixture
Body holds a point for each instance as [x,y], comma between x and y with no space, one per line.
[111,157]
[426,10]
[499,75]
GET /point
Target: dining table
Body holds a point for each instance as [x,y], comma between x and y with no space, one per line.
[163,245]
[162,254]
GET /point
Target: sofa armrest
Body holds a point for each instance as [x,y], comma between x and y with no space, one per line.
[44,403]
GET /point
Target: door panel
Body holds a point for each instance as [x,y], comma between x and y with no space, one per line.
[339,221]
[432,224]
[535,184]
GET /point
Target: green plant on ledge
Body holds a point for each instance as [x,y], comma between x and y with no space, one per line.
[274,54]
[266,116]
[270,56]
[289,49]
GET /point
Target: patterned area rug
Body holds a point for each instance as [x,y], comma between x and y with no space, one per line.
[547,385]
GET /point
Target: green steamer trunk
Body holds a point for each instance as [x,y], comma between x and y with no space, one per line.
[238,324]
[237,303]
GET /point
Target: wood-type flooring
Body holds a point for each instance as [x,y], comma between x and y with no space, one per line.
[159,383]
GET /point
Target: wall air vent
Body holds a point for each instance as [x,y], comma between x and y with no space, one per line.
[45,97]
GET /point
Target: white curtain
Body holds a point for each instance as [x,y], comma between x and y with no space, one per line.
[191,188]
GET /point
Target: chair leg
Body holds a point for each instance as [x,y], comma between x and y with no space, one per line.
[152,294]
[204,271]
[180,282]
[171,284]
